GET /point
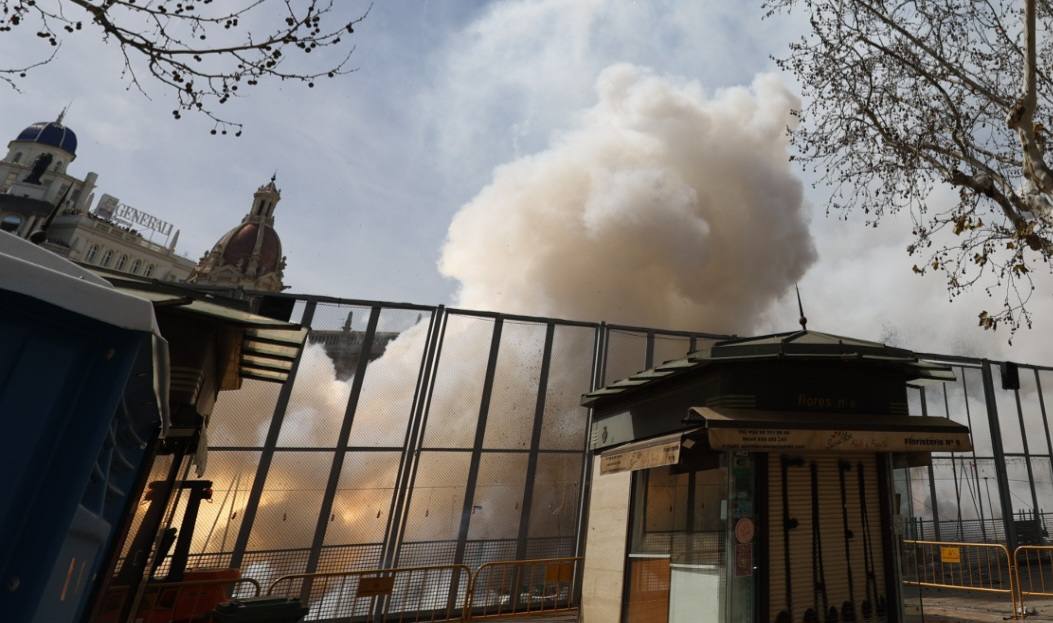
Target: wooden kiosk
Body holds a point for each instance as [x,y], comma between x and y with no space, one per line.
[752,483]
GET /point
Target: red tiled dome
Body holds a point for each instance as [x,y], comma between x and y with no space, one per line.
[242,240]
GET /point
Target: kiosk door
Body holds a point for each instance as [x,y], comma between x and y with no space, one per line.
[676,570]
[825,553]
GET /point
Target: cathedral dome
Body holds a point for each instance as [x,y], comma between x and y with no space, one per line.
[51,133]
[250,255]
[240,243]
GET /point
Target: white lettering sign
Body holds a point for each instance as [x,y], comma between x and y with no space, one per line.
[130,215]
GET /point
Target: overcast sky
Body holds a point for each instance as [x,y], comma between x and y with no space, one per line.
[374,166]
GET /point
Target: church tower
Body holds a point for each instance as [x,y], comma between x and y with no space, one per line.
[248,257]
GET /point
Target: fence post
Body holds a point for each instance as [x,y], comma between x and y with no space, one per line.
[1005,501]
[341,449]
[407,472]
[535,444]
[267,455]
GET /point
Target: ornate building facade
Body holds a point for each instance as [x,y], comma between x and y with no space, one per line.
[248,257]
[39,197]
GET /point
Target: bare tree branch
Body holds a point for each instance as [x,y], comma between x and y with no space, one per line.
[904,98]
[199,52]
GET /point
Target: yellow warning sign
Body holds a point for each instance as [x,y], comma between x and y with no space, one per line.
[951,554]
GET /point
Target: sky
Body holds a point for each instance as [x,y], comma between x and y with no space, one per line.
[452,100]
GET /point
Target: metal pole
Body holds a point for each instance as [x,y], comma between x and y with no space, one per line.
[1027,453]
[407,460]
[1004,498]
[976,473]
[341,447]
[535,443]
[416,448]
[649,352]
[269,444]
[599,371]
[1045,423]
[954,469]
[477,447]
[932,474]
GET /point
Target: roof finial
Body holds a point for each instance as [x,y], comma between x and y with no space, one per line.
[274,177]
[800,307]
[62,115]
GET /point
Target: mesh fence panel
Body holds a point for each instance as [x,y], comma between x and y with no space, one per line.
[498,500]
[292,497]
[219,520]
[670,347]
[241,418]
[454,409]
[388,388]
[554,510]
[569,377]
[513,401]
[437,498]
[626,354]
[363,498]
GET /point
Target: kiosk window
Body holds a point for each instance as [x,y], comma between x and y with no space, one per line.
[676,569]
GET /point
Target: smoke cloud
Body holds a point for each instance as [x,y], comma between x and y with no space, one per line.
[664,207]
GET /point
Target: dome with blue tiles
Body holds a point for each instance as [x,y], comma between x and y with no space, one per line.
[51,133]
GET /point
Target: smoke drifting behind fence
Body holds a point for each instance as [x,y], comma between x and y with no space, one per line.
[665,206]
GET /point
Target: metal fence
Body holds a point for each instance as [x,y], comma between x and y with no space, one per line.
[998,492]
[413,436]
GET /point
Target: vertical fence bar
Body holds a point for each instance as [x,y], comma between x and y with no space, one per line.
[600,343]
[535,443]
[422,429]
[407,460]
[976,474]
[933,502]
[1045,420]
[1004,498]
[1027,453]
[954,469]
[341,446]
[270,443]
[477,447]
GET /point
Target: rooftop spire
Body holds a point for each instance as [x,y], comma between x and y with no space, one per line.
[800,307]
[62,115]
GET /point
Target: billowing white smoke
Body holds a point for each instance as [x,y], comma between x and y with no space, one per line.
[664,207]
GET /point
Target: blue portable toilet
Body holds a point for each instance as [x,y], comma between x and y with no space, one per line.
[83,401]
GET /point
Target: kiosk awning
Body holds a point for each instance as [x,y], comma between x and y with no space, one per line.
[746,429]
[647,453]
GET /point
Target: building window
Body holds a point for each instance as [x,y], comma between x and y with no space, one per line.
[149,271]
[17,158]
[136,265]
[106,257]
[58,165]
[121,261]
[92,251]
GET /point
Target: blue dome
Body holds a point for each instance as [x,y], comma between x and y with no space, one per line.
[50,133]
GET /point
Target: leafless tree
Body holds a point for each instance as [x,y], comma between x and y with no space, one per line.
[200,51]
[909,96]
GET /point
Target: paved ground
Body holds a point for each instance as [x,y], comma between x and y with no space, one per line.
[945,607]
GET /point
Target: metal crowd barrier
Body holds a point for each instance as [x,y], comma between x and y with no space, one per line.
[408,594]
[950,565]
[522,587]
[1034,571]
[525,588]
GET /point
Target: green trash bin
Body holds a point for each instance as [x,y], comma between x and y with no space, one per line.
[260,610]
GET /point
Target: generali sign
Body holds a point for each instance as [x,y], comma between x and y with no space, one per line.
[130,215]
